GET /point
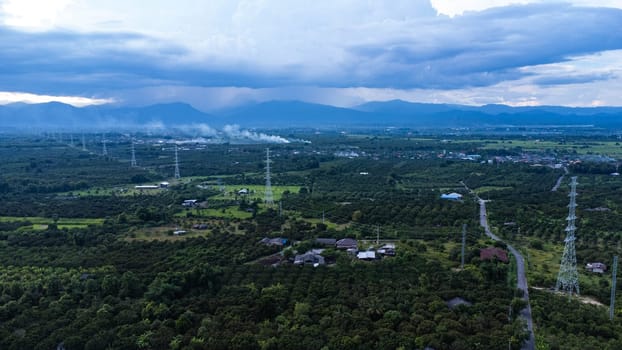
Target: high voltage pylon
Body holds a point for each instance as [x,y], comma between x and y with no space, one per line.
[568,277]
[268,198]
[614,274]
[177,176]
[104,150]
[463,244]
[133,160]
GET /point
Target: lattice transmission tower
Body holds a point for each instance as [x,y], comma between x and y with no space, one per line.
[133,160]
[177,176]
[568,277]
[268,198]
[614,283]
[464,226]
[104,149]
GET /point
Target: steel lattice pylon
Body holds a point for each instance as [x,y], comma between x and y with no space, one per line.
[104,149]
[568,277]
[177,175]
[133,160]
[268,198]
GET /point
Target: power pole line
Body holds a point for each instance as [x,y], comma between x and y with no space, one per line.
[568,277]
[614,274]
[268,197]
[377,235]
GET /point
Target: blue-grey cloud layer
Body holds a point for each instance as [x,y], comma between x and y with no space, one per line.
[477,49]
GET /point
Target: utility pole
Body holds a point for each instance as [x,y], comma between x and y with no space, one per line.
[377,235]
[83,143]
[280,208]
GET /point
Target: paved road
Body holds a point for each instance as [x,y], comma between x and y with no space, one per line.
[520,275]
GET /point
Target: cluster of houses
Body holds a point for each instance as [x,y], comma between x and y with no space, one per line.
[314,256]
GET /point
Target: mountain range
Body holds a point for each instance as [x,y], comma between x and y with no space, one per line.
[285,114]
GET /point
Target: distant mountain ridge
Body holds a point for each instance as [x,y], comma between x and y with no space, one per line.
[285,114]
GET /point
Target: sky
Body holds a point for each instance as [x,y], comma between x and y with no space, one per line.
[224,53]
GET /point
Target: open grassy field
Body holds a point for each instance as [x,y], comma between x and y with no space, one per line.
[229,212]
[608,148]
[255,191]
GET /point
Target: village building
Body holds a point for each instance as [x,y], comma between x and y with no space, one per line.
[309,258]
[278,241]
[347,243]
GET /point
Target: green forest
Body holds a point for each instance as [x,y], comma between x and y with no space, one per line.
[90,261]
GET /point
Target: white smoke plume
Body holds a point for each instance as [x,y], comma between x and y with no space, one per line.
[234,132]
[201,129]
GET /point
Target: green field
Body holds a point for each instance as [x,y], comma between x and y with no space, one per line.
[255,191]
[229,212]
[609,148]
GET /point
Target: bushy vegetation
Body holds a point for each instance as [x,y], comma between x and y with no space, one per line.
[118,277]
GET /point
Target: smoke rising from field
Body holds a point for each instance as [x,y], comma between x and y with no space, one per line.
[234,132]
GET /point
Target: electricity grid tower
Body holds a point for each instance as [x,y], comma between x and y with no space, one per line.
[614,282]
[268,198]
[568,277]
[104,150]
[133,161]
[463,245]
[177,176]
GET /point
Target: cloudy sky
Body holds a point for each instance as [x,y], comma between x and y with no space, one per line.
[221,53]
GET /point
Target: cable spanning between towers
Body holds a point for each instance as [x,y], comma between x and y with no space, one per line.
[568,277]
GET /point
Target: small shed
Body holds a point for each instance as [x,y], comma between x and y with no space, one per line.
[367,255]
[452,196]
[596,267]
[190,202]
